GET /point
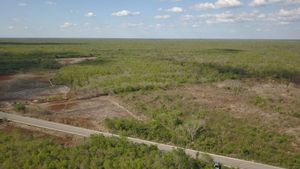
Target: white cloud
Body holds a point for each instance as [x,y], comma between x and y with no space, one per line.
[133,25]
[286,16]
[205,6]
[90,14]
[10,27]
[162,16]
[22,4]
[267,2]
[171,0]
[218,4]
[125,13]
[158,26]
[175,10]
[67,25]
[228,3]
[263,2]
[26,27]
[225,17]
[282,17]
[195,26]
[50,3]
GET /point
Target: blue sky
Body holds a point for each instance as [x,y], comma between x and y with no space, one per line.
[246,19]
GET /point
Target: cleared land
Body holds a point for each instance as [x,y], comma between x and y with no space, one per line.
[235,98]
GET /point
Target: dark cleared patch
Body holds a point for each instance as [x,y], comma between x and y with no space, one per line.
[225,69]
[239,72]
[12,62]
[72,55]
[226,51]
[37,43]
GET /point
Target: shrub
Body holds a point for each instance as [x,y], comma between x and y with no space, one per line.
[19,107]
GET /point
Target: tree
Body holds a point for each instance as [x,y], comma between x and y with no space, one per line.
[194,127]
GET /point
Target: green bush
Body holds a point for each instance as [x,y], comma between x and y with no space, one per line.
[152,130]
[259,101]
[19,107]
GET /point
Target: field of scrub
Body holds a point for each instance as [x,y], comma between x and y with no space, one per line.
[26,149]
[238,98]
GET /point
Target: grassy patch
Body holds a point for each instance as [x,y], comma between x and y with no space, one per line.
[259,101]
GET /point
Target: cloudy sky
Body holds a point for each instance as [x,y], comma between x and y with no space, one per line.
[246,19]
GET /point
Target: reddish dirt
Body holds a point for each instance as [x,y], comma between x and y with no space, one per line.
[88,113]
[5,77]
[58,106]
[51,102]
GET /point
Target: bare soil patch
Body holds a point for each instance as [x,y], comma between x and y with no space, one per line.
[67,61]
[45,101]
[29,86]
[5,77]
[88,113]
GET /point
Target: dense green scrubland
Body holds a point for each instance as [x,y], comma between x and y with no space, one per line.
[24,151]
[130,65]
[143,65]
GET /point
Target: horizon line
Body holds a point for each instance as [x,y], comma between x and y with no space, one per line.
[128,38]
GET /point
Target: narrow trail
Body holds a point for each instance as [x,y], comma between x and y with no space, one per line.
[113,101]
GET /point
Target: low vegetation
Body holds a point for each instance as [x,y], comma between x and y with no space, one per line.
[28,151]
[10,62]
[19,107]
[181,120]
